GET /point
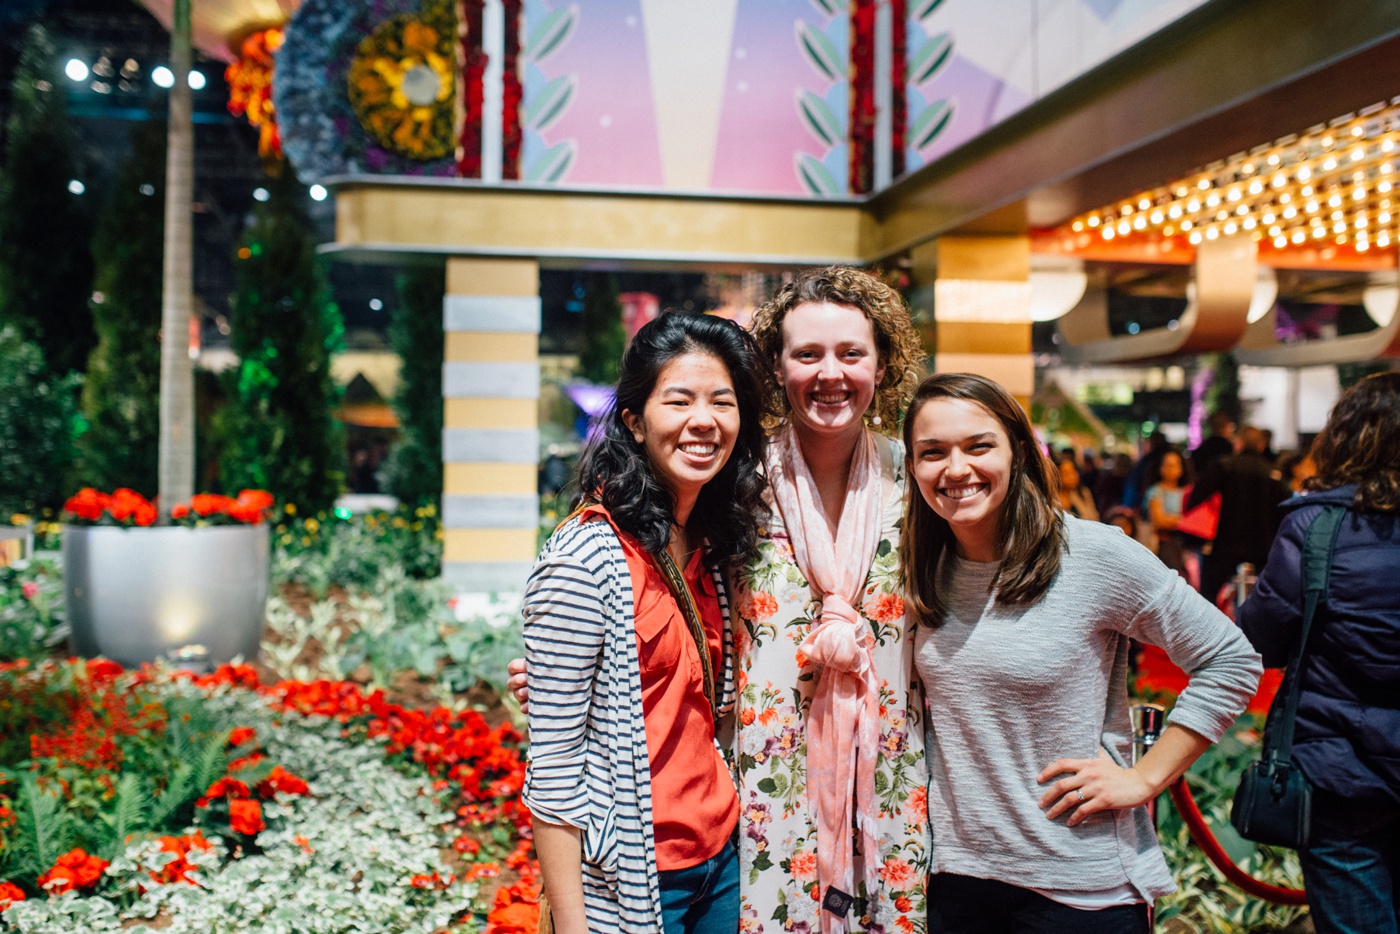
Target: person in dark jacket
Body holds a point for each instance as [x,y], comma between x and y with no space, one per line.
[1219,443]
[1250,492]
[1347,738]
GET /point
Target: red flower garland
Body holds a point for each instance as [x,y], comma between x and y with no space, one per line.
[899,76]
[473,91]
[862,148]
[512,93]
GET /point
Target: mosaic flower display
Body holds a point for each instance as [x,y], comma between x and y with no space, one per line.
[401,88]
[249,80]
[328,129]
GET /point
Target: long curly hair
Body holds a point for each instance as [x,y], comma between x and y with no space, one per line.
[1361,444]
[616,471]
[898,344]
[1030,527]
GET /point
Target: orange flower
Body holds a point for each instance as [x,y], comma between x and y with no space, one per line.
[903,904]
[9,894]
[241,735]
[897,873]
[224,788]
[917,805]
[884,607]
[245,816]
[904,924]
[73,870]
[757,605]
[88,504]
[746,716]
[279,779]
[803,865]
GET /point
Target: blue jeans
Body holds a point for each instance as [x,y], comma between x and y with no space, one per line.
[702,899]
[1349,868]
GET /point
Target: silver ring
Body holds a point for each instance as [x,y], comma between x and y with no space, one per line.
[1080,792]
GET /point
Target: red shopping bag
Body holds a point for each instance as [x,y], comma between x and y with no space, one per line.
[1201,521]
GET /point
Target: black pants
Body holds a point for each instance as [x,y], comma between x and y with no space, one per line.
[964,905]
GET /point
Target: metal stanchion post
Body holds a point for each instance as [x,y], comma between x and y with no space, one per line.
[1147,727]
[1244,582]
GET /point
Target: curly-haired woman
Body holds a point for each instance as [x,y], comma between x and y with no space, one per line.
[833,831]
[1347,738]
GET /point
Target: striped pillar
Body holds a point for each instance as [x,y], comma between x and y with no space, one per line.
[982,307]
[490,434]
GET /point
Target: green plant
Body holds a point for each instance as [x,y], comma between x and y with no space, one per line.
[121,395]
[603,336]
[46,269]
[416,335]
[37,415]
[31,610]
[323,551]
[277,431]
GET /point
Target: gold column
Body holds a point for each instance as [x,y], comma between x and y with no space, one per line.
[490,434]
[982,308]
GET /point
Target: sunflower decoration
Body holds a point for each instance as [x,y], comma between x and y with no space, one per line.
[401,87]
[249,80]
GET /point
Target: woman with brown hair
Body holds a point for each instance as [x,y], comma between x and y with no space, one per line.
[1037,816]
[1347,739]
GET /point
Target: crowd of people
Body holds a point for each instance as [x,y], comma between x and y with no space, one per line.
[830,647]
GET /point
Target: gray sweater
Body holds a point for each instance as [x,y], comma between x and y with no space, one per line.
[1010,690]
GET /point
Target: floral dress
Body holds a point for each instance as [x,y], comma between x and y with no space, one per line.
[777,830]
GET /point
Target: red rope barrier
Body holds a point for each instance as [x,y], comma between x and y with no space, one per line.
[1205,839]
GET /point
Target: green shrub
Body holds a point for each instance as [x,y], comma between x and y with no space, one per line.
[417,336]
[31,610]
[37,414]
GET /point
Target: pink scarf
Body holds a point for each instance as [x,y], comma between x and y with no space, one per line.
[843,724]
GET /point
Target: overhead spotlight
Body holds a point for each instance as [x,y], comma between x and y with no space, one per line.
[76,187]
[163,77]
[197,80]
[375,304]
[76,70]
[261,194]
[317,192]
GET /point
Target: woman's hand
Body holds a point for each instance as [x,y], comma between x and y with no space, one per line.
[1088,786]
[1092,785]
[515,683]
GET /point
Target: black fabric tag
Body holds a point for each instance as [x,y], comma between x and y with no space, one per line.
[837,902]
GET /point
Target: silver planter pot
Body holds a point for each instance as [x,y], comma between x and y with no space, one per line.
[135,595]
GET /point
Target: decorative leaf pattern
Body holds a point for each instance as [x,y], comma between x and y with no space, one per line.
[815,177]
[821,54]
[930,59]
[552,164]
[551,33]
[550,103]
[821,121]
[930,123]
[923,9]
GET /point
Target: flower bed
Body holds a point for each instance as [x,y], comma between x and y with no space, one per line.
[160,799]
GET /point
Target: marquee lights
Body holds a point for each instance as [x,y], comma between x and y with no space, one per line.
[1334,182]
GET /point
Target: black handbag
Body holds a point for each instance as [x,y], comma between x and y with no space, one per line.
[1273,804]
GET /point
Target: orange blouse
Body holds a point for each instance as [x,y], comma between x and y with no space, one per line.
[695,807]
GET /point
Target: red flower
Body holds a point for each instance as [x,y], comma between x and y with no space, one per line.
[179,868]
[129,506]
[73,870]
[516,910]
[179,510]
[251,506]
[9,894]
[224,788]
[88,504]
[280,780]
[210,504]
[241,735]
[245,816]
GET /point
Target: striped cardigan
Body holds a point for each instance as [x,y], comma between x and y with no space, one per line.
[588,766]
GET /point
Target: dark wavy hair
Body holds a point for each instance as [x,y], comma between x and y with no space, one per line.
[1030,527]
[616,472]
[1361,444]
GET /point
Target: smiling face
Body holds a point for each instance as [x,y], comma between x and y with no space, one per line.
[829,368]
[688,426]
[962,461]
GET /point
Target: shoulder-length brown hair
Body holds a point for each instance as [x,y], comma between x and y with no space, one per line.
[1030,528]
[1361,444]
[897,343]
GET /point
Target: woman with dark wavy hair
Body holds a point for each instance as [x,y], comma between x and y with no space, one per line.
[629,648]
[1347,738]
[1038,819]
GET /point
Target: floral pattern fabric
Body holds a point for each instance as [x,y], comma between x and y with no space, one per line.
[777,829]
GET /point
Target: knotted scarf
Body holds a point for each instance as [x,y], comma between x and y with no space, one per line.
[843,724]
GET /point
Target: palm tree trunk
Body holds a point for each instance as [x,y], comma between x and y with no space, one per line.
[177,305]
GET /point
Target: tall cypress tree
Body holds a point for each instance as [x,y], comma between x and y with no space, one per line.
[121,397]
[416,335]
[604,340]
[46,267]
[277,430]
